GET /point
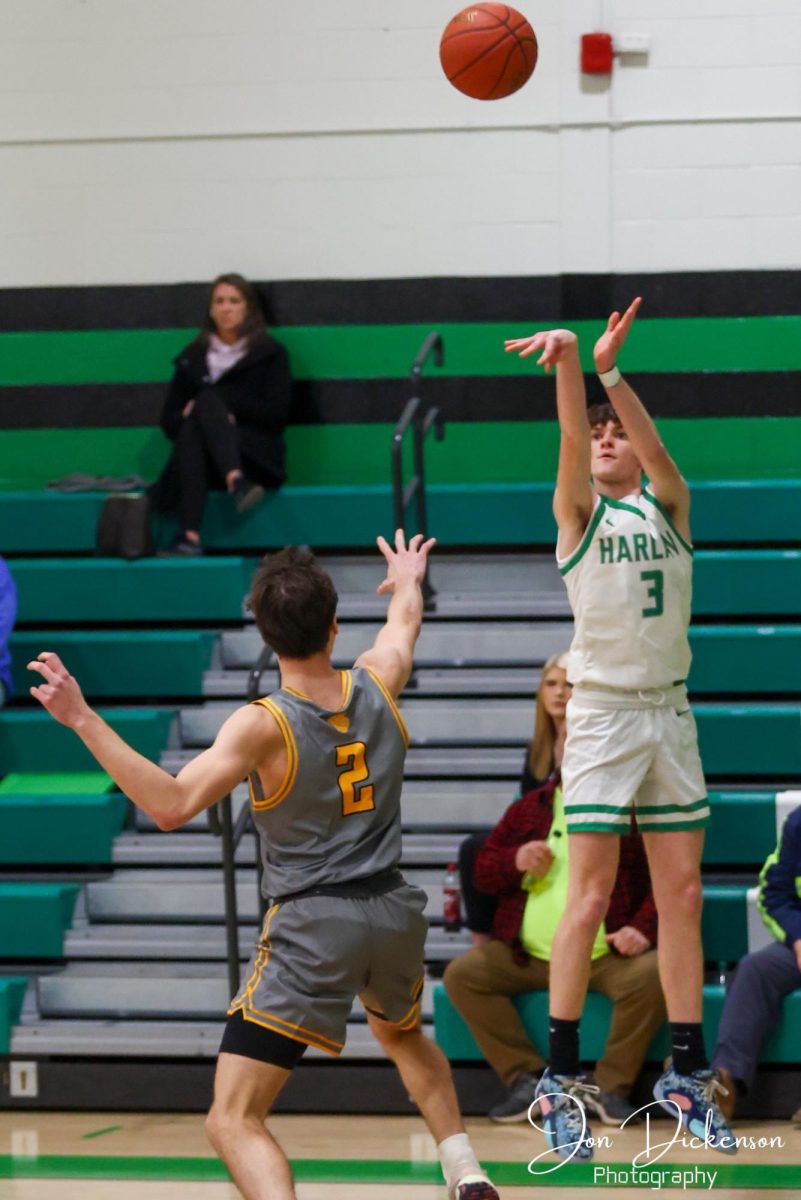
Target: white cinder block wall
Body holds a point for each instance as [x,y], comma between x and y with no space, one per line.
[162,140]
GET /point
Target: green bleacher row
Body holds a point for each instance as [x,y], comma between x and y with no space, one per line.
[456,1041]
[42,826]
[34,917]
[472,513]
[88,591]
[744,739]
[736,659]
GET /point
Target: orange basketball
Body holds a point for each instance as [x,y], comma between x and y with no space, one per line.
[488,51]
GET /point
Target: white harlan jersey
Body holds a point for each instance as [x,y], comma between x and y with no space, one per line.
[630,587]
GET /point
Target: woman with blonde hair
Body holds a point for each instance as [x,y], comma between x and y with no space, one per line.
[543,758]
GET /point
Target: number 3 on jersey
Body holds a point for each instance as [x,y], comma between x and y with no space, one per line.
[355,798]
[656,592]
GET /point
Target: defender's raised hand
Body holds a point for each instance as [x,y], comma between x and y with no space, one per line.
[59,693]
[404,563]
[617,329]
[556,345]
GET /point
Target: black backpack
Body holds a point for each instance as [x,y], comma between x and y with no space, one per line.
[123,527]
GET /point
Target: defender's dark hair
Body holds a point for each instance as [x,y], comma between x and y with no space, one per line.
[252,326]
[294,603]
[599,414]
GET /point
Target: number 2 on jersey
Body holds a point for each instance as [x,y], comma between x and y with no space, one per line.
[656,592]
[355,798]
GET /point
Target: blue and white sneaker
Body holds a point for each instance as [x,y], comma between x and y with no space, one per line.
[695,1096]
[563,1114]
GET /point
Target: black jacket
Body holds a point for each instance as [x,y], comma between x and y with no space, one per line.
[257,390]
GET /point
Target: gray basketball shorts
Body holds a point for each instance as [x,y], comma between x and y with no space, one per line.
[316,954]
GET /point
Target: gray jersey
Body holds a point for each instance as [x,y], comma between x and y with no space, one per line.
[336,815]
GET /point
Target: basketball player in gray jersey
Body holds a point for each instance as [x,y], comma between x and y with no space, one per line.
[625,553]
[324,758]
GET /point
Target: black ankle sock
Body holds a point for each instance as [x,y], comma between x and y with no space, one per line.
[563,1039]
[688,1047]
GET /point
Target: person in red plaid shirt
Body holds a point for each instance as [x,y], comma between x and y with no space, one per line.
[523,863]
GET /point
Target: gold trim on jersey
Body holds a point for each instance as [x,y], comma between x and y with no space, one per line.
[308,1039]
[382,687]
[291,759]
[264,953]
[309,1035]
[410,1019]
[346,683]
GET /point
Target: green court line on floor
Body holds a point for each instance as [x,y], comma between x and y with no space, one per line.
[395,1171]
[385,351]
[96,1133]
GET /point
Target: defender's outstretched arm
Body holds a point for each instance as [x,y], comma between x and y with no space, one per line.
[244,741]
[392,652]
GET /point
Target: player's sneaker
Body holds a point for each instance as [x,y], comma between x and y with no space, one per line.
[696,1097]
[563,1114]
[474,1187]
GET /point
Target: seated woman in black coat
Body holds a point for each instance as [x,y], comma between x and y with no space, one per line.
[226,410]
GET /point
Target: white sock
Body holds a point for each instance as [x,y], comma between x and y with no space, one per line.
[458,1159]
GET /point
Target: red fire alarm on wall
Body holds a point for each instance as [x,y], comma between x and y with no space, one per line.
[597,53]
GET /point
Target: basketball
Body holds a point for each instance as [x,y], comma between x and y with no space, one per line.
[488,51]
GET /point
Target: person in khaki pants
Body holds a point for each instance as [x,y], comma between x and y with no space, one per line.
[524,863]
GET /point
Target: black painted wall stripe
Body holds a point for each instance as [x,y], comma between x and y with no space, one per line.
[369,401]
[392,301]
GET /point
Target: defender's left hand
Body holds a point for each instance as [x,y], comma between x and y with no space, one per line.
[611,340]
[59,693]
[404,563]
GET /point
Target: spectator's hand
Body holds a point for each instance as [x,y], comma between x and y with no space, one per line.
[797,950]
[628,941]
[534,857]
[405,564]
[60,693]
[187,408]
[556,345]
[611,340]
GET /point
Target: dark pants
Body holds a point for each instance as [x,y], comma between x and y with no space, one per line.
[478,906]
[753,1009]
[206,449]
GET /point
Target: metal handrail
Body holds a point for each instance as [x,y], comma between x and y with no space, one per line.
[420,420]
[222,825]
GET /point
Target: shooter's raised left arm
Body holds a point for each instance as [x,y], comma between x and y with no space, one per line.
[664,476]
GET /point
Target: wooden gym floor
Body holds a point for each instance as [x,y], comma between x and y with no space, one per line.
[132,1156]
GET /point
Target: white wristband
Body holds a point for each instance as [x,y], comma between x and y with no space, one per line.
[611,378]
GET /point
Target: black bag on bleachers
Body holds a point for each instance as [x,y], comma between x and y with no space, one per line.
[123,527]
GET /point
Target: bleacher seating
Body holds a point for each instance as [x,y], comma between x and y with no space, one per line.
[131,914]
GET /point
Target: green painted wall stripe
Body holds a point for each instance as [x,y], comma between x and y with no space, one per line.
[714,448]
[386,351]
[396,1171]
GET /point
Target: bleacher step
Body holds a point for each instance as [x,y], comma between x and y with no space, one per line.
[196,894]
[155,1039]
[197,849]
[158,940]
[129,990]
[486,764]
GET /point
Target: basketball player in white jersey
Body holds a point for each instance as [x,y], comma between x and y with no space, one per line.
[324,756]
[625,553]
